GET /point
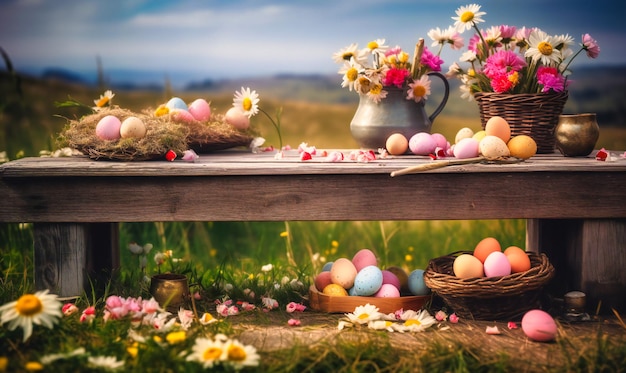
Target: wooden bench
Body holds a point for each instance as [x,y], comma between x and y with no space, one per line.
[576,207]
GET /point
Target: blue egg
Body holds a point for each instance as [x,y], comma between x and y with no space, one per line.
[352,292]
[327,266]
[176,103]
[416,283]
[368,281]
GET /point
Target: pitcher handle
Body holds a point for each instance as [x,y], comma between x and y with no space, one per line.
[445,96]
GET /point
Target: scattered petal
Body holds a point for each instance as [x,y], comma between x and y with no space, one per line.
[454,318]
[170,155]
[493,330]
[602,155]
[512,325]
[305,156]
[293,322]
[190,156]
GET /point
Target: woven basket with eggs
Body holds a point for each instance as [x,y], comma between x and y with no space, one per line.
[489,298]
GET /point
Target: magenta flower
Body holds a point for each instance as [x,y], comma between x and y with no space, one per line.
[503,61]
[430,60]
[550,79]
[454,318]
[295,307]
[88,314]
[591,46]
[396,77]
[69,309]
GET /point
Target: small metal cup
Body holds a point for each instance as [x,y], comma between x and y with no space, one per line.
[170,290]
[575,301]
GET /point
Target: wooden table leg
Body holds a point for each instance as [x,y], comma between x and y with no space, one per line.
[66,255]
[588,255]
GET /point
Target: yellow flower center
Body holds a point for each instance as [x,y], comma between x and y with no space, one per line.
[102,101]
[419,91]
[471,73]
[467,17]
[411,322]
[161,110]
[352,74]
[363,316]
[133,351]
[236,353]
[33,366]
[247,104]
[28,305]
[376,89]
[212,353]
[372,45]
[514,77]
[545,48]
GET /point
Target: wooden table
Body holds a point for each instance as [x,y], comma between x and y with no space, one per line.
[576,207]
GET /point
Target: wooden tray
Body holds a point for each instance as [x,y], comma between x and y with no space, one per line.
[337,304]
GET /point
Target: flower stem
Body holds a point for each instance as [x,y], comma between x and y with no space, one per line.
[276,125]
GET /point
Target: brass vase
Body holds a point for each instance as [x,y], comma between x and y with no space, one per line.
[576,134]
[170,290]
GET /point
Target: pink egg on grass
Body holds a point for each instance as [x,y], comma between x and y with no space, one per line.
[391,279]
[108,128]
[364,258]
[236,118]
[422,143]
[539,326]
[200,110]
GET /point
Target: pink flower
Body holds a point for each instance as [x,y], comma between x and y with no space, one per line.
[150,306]
[550,78]
[334,156]
[88,314]
[222,309]
[512,325]
[454,318]
[441,316]
[493,330]
[293,307]
[507,33]
[395,77]
[293,322]
[269,303]
[69,309]
[503,62]
[591,46]
[305,156]
[430,60]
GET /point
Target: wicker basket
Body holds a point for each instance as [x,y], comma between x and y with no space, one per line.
[532,114]
[489,298]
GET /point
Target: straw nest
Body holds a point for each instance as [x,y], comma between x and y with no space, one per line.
[163,134]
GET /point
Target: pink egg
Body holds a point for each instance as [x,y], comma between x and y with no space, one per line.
[200,110]
[497,264]
[539,326]
[237,118]
[322,280]
[182,116]
[466,148]
[364,258]
[441,141]
[422,143]
[390,278]
[108,128]
[387,291]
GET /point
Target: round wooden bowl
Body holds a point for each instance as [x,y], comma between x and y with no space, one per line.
[337,304]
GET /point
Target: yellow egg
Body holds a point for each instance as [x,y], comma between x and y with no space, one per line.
[479,135]
[335,290]
[467,266]
[498,126]
[397,144]
[522,146]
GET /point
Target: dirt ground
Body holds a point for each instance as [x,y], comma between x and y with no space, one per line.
[270,332]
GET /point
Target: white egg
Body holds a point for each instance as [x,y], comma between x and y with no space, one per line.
[493,147]
[132,127]
[463,133]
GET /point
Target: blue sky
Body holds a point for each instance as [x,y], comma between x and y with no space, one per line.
[242,38]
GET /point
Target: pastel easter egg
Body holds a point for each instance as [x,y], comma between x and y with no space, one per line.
[237,118]
[402,276]
[466,148]
[108,128]
[181,116]
[539,326]
[440,140]
[343,273]
[327,266]
[335,290]
[368,281]
[322,280]
[391,279]
[132,127]
[467,266]
[364,258]
[497,264]
[176,103]
[200,109]
[417,286]
[422,143]
[387,291]
[463,133]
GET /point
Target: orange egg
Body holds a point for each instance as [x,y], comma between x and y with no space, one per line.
[519,260]
[335,290]
[397,144]
[485,247]
[522,146]
[498,126]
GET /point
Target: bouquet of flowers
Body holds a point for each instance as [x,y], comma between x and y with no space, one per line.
[506,59]
[373,70]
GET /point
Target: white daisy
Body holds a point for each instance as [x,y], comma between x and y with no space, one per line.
[40,308]
[467,16]
[104,100]
[247,101]
[207,352]
[350,71]
[348,53]
[381,325]
[447,36]
[105,362]
[364,314]
[543,47]
[416,321]
[240,356]
[377,47]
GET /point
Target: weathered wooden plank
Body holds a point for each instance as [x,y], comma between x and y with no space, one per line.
[314,197]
